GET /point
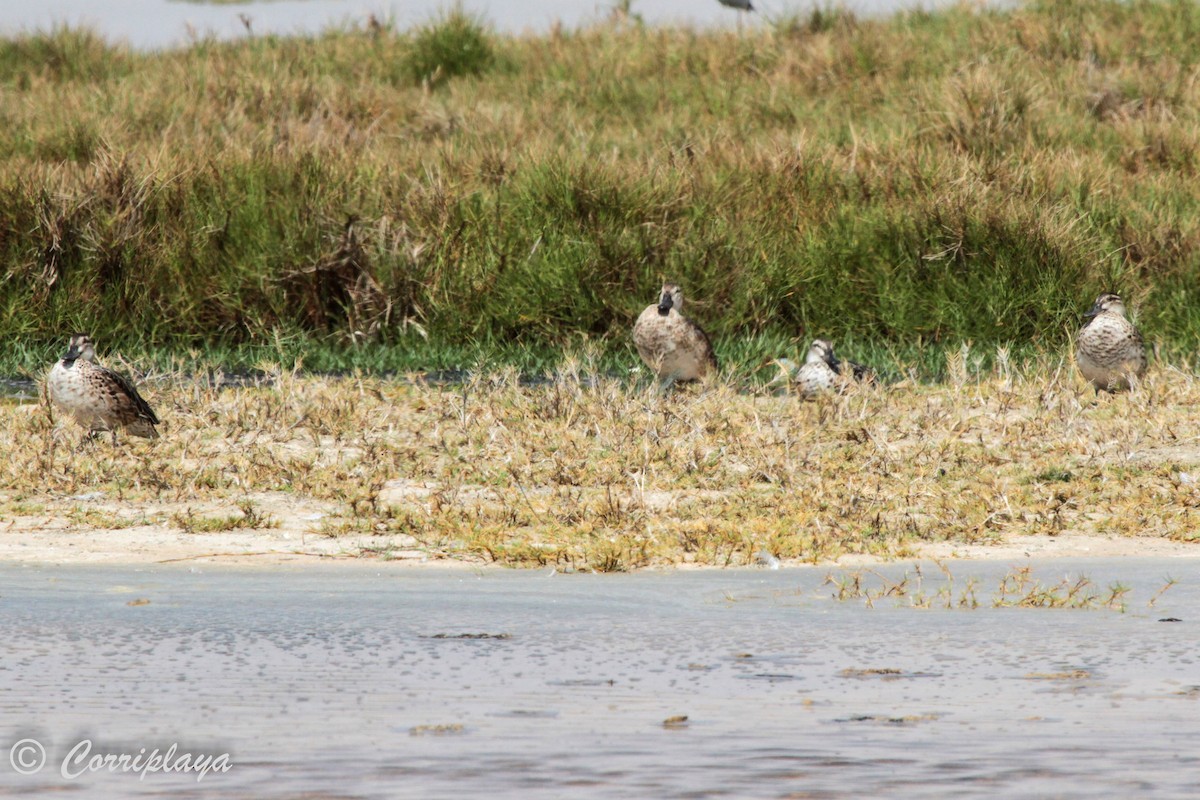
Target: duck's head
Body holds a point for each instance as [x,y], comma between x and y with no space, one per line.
[821,350]
[1106,303]
[80,347]
[670,297]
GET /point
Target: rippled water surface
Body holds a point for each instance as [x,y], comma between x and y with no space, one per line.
[162,23]
[362,683]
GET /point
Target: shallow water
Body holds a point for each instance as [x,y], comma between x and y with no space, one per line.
[162,23]
[318,680]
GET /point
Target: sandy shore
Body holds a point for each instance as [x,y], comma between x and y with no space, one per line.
[56,540]
[64,532]
[55,537]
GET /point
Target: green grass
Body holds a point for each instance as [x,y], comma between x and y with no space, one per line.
[454,44]
[379,200]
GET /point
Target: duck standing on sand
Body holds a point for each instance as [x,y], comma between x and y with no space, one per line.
[670,343]
[98,398]
[1109,349]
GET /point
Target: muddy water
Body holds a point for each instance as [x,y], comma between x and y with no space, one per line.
[362,682]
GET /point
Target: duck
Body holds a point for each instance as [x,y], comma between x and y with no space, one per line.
[670,344]
[1109,350]
[823,372]
[98,398]
[818,374]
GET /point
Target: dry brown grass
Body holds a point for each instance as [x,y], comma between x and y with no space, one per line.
[592,473]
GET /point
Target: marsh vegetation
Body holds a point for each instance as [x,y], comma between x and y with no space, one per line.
[443,197]
[941,194]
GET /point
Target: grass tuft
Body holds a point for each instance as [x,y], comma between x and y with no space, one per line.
[1018,589]
[453,45]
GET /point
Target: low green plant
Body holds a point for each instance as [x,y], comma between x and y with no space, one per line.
[454,44]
